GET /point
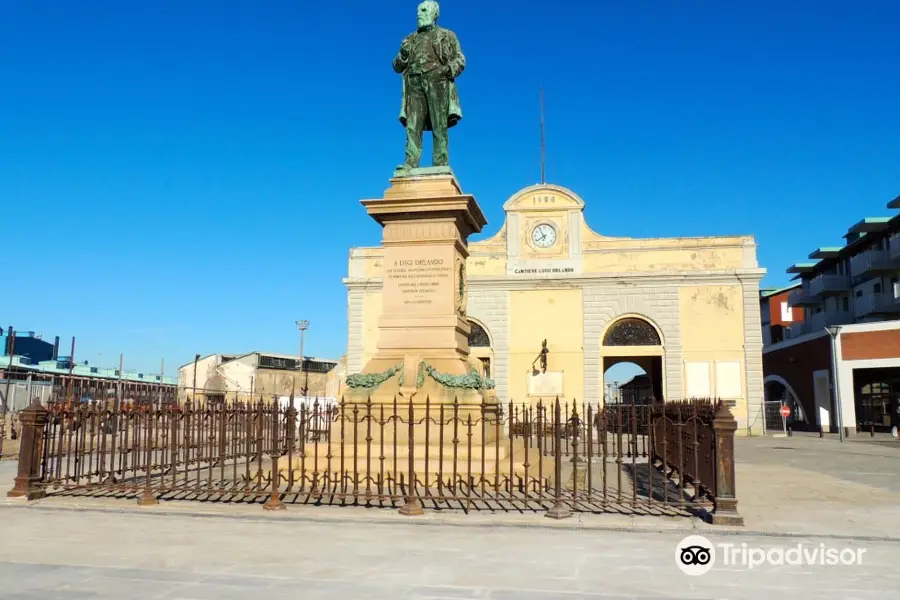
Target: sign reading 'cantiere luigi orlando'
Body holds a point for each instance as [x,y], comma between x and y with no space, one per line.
[544,270]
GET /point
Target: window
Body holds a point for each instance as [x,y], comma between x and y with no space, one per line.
[787,314]
[486,363]
[631,332]
[876,288]
[698,379]
[859,293]
[845,303]
[728,379]
[478,338]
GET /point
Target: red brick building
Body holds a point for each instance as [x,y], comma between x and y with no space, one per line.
[837,363]
[777,314]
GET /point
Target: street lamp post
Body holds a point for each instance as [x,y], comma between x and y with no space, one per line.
[302,326]
[834,331]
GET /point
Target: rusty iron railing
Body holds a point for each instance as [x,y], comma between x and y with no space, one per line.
[554,456]
[693,444]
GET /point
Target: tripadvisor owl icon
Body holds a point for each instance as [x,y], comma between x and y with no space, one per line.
[695,555]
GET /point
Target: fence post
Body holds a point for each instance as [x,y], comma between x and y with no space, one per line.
[413,507]
[147,497]
[559,510]
[725,503]
[31,446]
[274,502]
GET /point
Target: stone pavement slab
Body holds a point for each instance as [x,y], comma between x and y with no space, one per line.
[807,485]
[56,554]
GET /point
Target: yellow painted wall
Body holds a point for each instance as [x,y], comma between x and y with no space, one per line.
[625,259]
[554,315]
[492,264]
[712,320]
[371,313]
[712,329]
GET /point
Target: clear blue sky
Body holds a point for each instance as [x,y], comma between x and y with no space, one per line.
[181,177]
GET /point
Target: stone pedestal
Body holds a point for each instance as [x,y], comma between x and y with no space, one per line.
[411,420]
[427,221]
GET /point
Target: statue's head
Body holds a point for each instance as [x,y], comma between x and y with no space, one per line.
[428,14]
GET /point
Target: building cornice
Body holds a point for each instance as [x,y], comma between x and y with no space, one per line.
[601,246]
[808,337]
[721,277]
[641,245]
[842,329]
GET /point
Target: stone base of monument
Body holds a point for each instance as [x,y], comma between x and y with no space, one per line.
[419,406]
[504,465]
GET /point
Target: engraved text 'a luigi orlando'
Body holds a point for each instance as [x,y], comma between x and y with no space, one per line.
[418,280]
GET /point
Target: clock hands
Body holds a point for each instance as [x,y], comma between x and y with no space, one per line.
[543,236]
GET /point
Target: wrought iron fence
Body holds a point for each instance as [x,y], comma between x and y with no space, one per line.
[683,442]
[554,456]
[9,434]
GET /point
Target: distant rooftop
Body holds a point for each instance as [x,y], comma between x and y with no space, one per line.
[856,236]
[802,267]
[61,367]
[234,356]
[825,252]
[870,225]
[768,292]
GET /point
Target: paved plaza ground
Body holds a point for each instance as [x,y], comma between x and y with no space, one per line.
[52,555]
[791,490]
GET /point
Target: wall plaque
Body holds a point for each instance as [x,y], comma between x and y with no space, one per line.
[547,385]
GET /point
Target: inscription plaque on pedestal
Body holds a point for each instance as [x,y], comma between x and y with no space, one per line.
[417,280]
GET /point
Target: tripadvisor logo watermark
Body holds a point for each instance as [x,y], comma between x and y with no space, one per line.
[696,555]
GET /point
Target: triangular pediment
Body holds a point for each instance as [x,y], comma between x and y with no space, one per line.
[543,197]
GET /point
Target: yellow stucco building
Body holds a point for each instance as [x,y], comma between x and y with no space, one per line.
[685,309]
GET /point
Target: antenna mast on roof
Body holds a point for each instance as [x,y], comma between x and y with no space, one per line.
[543,143]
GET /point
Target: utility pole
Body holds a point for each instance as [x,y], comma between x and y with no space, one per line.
[543,144]
[162,369]
[302,326]
[834,332]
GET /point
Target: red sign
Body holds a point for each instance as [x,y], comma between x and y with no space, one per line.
[785,411]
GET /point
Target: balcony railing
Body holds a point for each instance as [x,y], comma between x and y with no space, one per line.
[820,321]
[798,329]
[874,304]
[870,262]
[894,246]
[802,296]
[829,284]
[827,319]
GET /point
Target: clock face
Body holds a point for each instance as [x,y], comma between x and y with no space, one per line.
[543,236]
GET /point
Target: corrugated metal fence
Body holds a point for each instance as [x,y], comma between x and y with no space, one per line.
[15,395]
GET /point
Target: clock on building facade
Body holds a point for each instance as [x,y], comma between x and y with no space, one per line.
[543,235]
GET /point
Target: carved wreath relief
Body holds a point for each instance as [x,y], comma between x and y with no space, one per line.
[461,289]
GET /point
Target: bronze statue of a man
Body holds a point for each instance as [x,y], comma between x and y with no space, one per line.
[430,60]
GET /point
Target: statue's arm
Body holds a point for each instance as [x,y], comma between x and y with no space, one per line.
[456,61]
[401,61]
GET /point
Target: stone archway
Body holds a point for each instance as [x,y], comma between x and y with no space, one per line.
[214,391]
[776,391]
[480,347]
[635,339]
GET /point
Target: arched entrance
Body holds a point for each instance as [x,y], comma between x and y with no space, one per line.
[480,347]
[778,392]
[634,339]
